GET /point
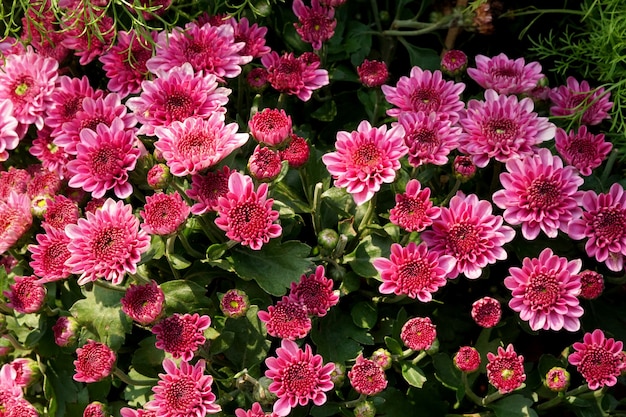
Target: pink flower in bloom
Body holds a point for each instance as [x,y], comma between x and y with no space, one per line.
[486,312]
[414,211]
[143,303]
[505,370]
[598,359]
[255,411]
[365,159]
[26,295]
[425,91]
[580,100]
[297,377]
[43,183]
[206,189]
[453,62]
[271,127]
[467,231]
[41,30]
[60,212]
[373,73]
[429,137]
[106,244]
[557,379]
[234,303]
[246,215]
[87,42]
[591,284]
[142,412]
[10,391]
[294,76]
[65,331]
[297,151]
[8,126]
[14,180]
[367,377]
[49,255]
[51,156]
[582,149]
[181,334]
[95,409]
[540,194]
[288,319]
[264,164]
[467,359]
[603,223]
[253,37]
[316,24]
[94,362]
[418,333]
[413,271]
[545,292]
[20,407]
[176,95]
[315,291]
[164,213]
[15,219]
[67,101]
[505,75]
[502,127]
[183,391]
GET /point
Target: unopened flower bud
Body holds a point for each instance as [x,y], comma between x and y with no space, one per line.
[264,164]
[159,176]
[557,379]
[234,303]
[327,239]
[464,168]
[257,79]
[338,375]
[453,62]
[365,409]
[382,357]
[65,331]
[27,371]
[467,359]
[96,409]
[373,73]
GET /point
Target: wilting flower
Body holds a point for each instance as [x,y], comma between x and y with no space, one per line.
[418,333]
[181,334]
[367,377]
[315,291]
[486,312]
[206,189]
[15,219]
[65,331]
[293,75]
[94,362]
[598,359]
[143,303]
[505,370]
[467,359]
[591,284]
[271,127]
[579,99]
[373,73]
[429,137]
[413,210]
[582,149]
[26,295]
[505,75]
[164,213]
[557,379]
[49,255]
[288,319]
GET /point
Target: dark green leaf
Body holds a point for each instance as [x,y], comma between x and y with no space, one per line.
[393,345]
[515,405]
[156,250]
[364,315]
[337,338]
[147,359]
[182,296]
[371,247]
[426,59]
[178,261]
[413,374]
[327,112]
[250,345]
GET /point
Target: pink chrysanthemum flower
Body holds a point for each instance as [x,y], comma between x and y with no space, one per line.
[604,224]
[255,411]
[158,177]
[557,379]
[414,211]
[181,334]
[264,164]
[288,319]
[60,212]
[545,292]
[67,101]
[206,189]
[413,271]
[540,194]
[467,231]
[316,24]
[94,362]
[425,91]
[195,144]
[49,255]
[298,377]
[106,244]
[26,295]
[365,159]
[373,73]
[141,412]
[234,303]
[429,137]
[43,183]
[14,180]
[505,370]
[253,37]
[207,48]
[486,312]
[505,75]
[176,95]
[598,359]
[41,30]
[315,291]
[65,331]
[51,156]
[257,79]
[502,127]
[125,62]
[453,62]
[246,215]
[95,409]
[164,213]
[143,303]
[297,151]
[591,284]
[9,138]
[89,31]
[20,407]
[294,76]
[15,219]
[9,390]
[367,377]
[418,333]
[579,99]
[582,149]
[183,391]
[467,359]
[27,371]
[271,127]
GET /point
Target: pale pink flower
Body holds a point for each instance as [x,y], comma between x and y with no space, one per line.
[10,391]
[365,159]
[264,164]
[271,127]
[505,75]
[467,359]
[502,127]
[540,194]
[26,295]
[486,312]
[288,319]
[429,137]
[372,73]
[469,232]
[9,138]
[181,334]
[367,377]
[580,100]
[298,377]
[315,291]
[15,219]
[94,362]
[316,24]
[293,75]
[418,333]
[206,189]
[143,303]
[582,149]
[591,284]
[297,151]
[253,37]
[164,213]
[414,210]
[505,370]
[49,255]
[599,359]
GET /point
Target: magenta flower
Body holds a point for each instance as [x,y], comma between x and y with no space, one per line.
[315,291]
[502,127]
[94,362]
[582,149]
[429,137]
[591,284]
[271,127]
[316,24]
[580,100]
[9,138]
[373,73]
[418,333]
[49,255]
[486,312]
[505,370]
[297,377]
[80,33]
[288,319]
[95,409]
[253,37]
[467,359]
[598,359]
[603,223]
[297,151]
[52,157]
[106,244]
[60,212]
[557,379]
[255,411]
[413,271]
[26,295]
[143,303]
[65,331]
[234,303]
[464,168]
[294,76]
[467,231]
[367,377]
[246,215]
[15,219]
[181,334]
[264,164]
[453,62]
[164,213]
[413,210]
[206,189]
[540,194]
[505,75]
[365,159]
[20,407]
[67,100]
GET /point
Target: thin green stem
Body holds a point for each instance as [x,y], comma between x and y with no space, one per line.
[354,403]
[14,342]
[104,284]
[468,391]
[169,249]
[190,250]
[559,399]
[419,357]
[452,192]
[122,376]
[369,214]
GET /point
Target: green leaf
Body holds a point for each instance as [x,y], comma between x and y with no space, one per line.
[249,346]
[426,59]
[393,345]
[275,266]
[156,250]
[371,247]
[448,374]
[137,395]
[60,389]
[147,359]
[338,326]
[364,315]
[178,261]
[182,296]
[513,406]
[413,374]
[222,342]
[327,112]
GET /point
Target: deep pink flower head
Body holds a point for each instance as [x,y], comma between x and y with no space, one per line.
[253,36]
[545,292]
[234,303]
[94,362]
[469,232]
[413,210]
[183,391]
[50,155]
[206,189]
[255,411]
[257,79]
[26,295]
[9,138]
[582,149]
[20,407]
[453,62]
[486,312]
[164,213]
[141,412]
[15,219]
[373,73]
[467,359]
[43,183]
[95,409]
[106,244]
[297,151]
[89,31]
[10,391]
[591,284]
[65,331]
[14,180]
[181,334]
[158,176]
[264,164]
[505,75]
[603,223]
[429,137]
[288,319]
[27,371]
[599,359]
[315,291]
[367,377]
[271,127]
[295,76]
[502,127]
[60,212]
[505,370]
[413,271]
[425,91]
[365,159]
[557,379]
[143,303]
[580,100]
[297,377]
[246,214]
[418,333]
[316,24]
[49,255]
[464,168]
[540,194]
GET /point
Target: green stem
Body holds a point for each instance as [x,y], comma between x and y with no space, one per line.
[191,251]
[14,342]
[468,391]
[316,208]
[169,249]
[452,192]
[369,214]
[354,403]
[559,399]
[608,167]
[419,357]
[104,284]
[129,381]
